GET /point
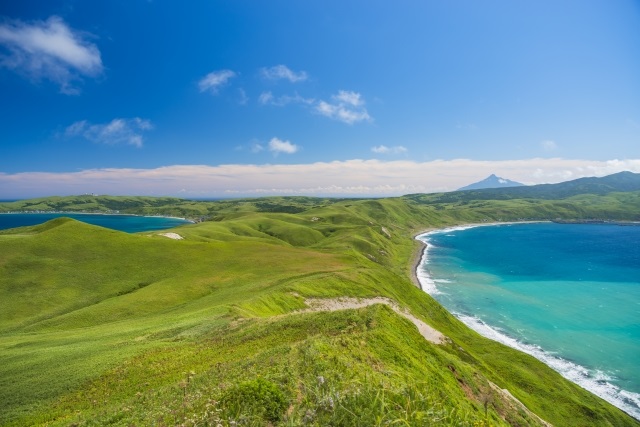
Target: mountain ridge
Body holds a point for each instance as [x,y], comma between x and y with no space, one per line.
[492,181]
[625,181]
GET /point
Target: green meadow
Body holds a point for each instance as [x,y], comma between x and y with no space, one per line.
[99,327]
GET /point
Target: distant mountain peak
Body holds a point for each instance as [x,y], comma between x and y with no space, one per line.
[492,181]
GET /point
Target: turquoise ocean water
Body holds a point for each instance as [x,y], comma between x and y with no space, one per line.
[568,294]
[127,223]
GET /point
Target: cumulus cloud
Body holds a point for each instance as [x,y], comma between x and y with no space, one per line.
[282,72]
[213,81]
[277,146]
[49,50]
[383,149]
[339,178]
[117,131]
[549,145]
[345,106]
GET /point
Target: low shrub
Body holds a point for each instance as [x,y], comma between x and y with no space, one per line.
[258,397]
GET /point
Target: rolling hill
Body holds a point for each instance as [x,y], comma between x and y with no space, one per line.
[99,327]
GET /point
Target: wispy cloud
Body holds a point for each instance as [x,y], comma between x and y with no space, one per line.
[345,106]
[383,149]
[49,50]
[256,147]
[117,131]
[267,98]
[549,145]
[282,72]
[339,178]
[277,146]
[243,98]
[213,81]
[466,126]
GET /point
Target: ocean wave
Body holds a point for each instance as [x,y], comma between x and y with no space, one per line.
[596,381]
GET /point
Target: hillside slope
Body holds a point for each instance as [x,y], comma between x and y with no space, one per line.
[100,327]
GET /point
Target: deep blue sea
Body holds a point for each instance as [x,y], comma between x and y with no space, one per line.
[127,223]
[569,294]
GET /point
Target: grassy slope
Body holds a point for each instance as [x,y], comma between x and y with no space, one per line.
[169,206]
[100,327]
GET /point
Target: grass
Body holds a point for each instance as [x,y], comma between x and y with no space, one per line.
[99,327]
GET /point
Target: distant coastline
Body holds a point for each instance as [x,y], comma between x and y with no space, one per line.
[95,213]
[596,221]
[128,223]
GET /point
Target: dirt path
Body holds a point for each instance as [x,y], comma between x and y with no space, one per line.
[506,395]
[322,304]
[174,236]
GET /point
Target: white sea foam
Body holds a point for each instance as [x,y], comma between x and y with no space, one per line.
[426,282]
[597,382]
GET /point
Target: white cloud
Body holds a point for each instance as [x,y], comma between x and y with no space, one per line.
[346,106]
[339,178]
[49,50]
[280,72]
[117,131]
[549,145]
[267,98]
[383,149]
[349,98]
[213,81]
[279,146]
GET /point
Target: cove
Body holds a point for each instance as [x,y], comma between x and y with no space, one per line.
[126,223]
[568,294]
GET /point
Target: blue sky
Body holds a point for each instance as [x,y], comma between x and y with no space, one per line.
[371,98]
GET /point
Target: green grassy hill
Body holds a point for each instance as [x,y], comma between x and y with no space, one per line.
[99,327]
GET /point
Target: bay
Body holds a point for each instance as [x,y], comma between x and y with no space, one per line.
[569,294]
[126,223]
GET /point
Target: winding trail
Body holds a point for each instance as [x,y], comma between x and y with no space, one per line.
[334,304]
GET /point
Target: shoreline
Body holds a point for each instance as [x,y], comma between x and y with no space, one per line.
[419,254]
[95,213]
[611,393]
[418,257]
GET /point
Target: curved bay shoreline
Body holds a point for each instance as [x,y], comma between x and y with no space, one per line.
[626,401]
[128,223]
[94,213]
